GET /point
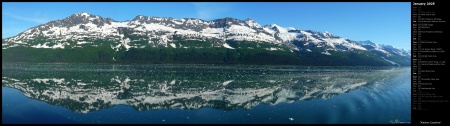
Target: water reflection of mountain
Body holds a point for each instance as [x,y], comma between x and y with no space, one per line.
[189,87]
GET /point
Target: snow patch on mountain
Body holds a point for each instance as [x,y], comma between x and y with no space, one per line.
[326,53]
[392,62]
[227,46]
[173,45]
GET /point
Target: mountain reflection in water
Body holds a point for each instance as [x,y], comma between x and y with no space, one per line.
[88,87]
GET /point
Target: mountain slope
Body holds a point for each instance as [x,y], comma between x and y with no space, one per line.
[84,37]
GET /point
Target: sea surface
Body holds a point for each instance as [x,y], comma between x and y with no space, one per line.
[203,94]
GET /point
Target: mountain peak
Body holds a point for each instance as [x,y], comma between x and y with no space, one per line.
[249,19]
[252,23]
[327,34]
[83,14]
[138,17]
[367,42]
[291,28]
[272,26]
[230,19]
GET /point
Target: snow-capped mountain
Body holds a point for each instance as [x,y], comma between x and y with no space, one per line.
[85,30]
[386,49]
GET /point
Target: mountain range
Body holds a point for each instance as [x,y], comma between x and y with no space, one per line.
[85,37]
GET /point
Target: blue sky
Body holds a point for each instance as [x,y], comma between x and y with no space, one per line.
[381,22]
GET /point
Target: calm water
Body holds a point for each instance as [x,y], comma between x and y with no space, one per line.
[106,93]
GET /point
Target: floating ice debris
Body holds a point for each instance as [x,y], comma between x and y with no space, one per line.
[227,82]
[291,119]
[173,82]
[80,83]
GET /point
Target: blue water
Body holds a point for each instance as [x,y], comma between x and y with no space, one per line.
[199,94]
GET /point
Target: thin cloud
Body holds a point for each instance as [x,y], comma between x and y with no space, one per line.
[208,11]
[23,18]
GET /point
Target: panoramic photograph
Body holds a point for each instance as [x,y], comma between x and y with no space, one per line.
[206,63]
